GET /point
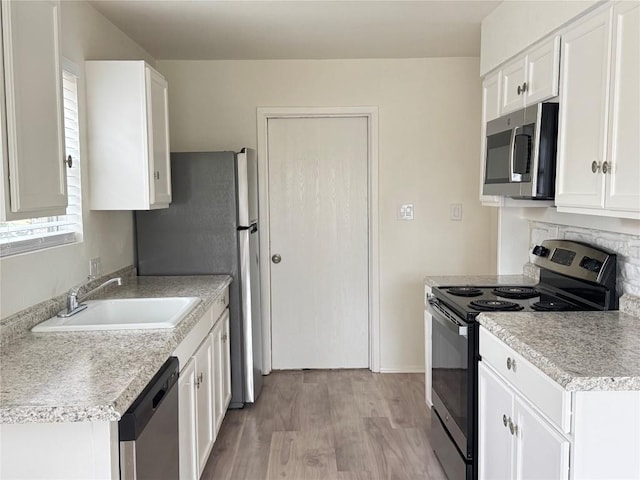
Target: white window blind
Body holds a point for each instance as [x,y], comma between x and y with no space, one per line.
[22,236]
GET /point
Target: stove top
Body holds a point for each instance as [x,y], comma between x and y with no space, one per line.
[470,300]
[574,276]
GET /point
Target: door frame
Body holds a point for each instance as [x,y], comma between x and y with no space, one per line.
[371,114]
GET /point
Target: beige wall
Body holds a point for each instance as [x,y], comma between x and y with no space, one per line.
[33,277]
[429,125]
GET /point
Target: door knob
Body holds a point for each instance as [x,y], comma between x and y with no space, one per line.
[276,258]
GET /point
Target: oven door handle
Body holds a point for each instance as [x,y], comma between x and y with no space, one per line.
[446,317]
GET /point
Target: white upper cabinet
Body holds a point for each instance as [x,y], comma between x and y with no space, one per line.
[128,126]
[531,78]
[31,112]
[598,140]
[623,177]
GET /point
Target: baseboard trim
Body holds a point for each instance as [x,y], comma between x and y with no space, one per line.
[402,370]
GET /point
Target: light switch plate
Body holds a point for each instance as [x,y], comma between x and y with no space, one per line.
[405,212]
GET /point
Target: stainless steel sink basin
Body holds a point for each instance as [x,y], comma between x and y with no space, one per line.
[123,314]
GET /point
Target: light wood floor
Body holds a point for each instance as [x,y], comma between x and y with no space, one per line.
[328,424]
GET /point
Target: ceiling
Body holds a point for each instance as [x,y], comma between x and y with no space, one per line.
[242,30]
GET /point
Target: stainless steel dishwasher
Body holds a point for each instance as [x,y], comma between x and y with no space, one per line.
[148,430]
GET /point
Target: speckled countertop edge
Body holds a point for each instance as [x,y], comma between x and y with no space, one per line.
[438,280]
[581,351]
[93,376]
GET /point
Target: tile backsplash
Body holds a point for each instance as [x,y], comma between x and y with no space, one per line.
[627,247]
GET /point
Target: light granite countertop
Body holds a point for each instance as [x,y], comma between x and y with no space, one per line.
[579,350]
[95,376]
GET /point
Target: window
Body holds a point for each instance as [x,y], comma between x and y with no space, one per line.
[36,233]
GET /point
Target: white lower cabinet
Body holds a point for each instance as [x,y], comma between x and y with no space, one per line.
[221,369]
[204,401]
[514,441]
[187,421]
[529,427]
[204,387]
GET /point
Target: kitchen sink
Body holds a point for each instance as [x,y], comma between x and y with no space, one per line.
[123,314]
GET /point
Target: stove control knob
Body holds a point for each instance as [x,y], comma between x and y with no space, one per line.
[540,251]
[591,264]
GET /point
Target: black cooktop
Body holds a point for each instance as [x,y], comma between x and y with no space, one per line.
[470,300]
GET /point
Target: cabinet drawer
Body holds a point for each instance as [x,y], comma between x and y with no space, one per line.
[539,389]
[220,304]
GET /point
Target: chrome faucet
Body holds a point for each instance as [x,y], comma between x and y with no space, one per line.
[74,302]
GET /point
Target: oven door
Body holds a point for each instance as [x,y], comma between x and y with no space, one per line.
[453,358]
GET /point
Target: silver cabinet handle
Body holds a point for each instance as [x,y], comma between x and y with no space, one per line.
[68,161]
[276,258]
[504,420]
[606,167]
[595,166]
[156,175]
[508,363]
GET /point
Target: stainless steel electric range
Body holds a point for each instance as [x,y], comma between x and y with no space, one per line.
[573,277]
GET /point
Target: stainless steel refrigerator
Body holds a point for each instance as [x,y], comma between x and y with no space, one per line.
[211,227]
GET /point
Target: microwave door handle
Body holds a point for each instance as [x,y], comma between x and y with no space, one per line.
[513,177]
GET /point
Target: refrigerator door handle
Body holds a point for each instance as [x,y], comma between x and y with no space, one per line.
[245,286]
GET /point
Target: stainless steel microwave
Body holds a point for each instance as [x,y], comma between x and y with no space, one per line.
[520,156]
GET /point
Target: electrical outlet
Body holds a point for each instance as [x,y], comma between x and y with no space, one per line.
[94,267]
[455,211]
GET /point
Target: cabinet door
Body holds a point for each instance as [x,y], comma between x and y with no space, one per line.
[158,137]
[583,113]
[34,114]
[541,452]
[226,363]
[187,422]
[495,441]
[513,78]
[624,125]
[204,400]
[543,72]
[218,378]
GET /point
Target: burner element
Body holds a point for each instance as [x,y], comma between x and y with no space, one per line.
[494,305]
[464,291]
[551,306]
[516,292]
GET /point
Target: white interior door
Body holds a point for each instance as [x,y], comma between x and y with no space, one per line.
[319,229]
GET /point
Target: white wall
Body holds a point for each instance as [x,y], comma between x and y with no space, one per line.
[516,24]
[33,277]
[429,121]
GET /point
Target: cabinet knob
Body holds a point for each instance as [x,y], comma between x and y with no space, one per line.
[224,337]
[511,364]
[606,167]
[522,88]
[508,363]
[513,428]
[595,166]
[504,420]
[156,175]
[68,161]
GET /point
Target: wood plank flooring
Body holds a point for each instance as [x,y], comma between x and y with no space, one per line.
[328,424]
